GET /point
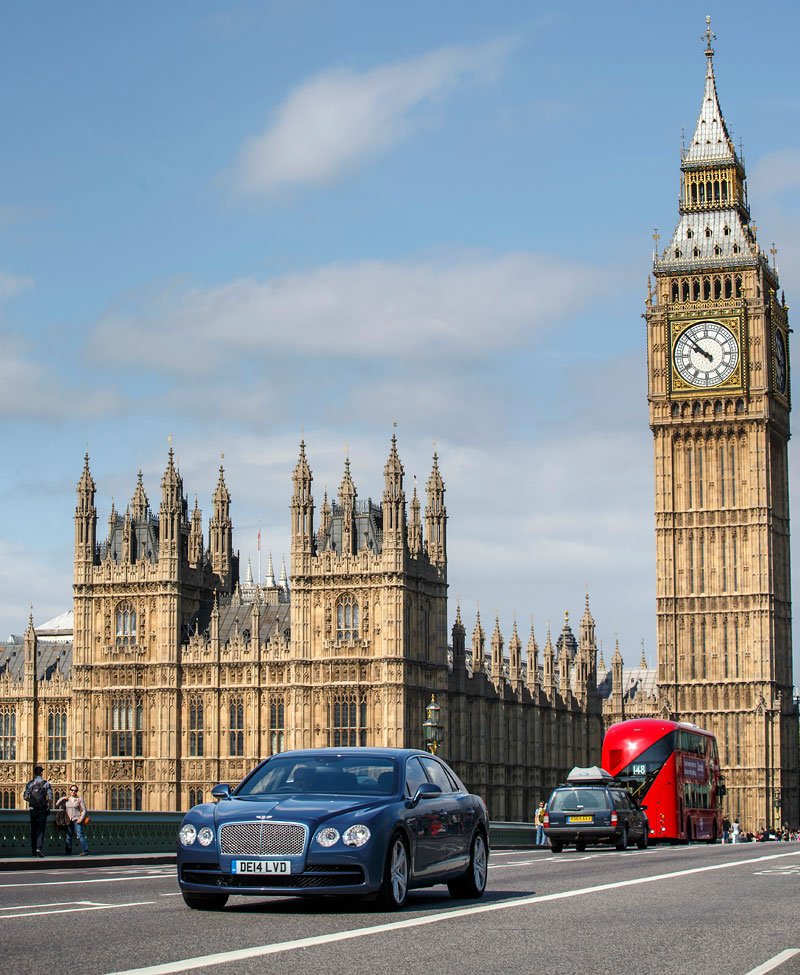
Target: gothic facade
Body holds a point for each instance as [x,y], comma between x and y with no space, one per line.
[177,677]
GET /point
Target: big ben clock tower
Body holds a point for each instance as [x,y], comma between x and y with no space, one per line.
[718,378]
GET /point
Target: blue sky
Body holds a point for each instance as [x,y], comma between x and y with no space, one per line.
[233,223]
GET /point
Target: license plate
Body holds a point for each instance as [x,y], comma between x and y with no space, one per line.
[579,819]
[261,866]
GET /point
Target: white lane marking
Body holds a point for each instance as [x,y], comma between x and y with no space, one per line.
[774,962]
[72,910]
[26,907]
[176,894]
[96,880]
[259,951]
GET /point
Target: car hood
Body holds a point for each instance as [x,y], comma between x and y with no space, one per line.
[304,809]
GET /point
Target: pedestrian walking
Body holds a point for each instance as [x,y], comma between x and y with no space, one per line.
[76,817]
[538,818]
[735,830]
[38,794]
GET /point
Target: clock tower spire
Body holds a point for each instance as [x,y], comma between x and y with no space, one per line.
[718,388]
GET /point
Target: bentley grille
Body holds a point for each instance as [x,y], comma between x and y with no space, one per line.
[262,839]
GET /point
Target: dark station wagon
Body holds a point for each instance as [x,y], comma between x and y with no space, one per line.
[592,808]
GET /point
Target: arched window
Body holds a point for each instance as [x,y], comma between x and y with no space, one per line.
[689,232]
[674,290]
[125,625]
[738,286]
[717,250]
[696,286]
[126,726]
[122,797]
[726,229]
[57,735]
[8,733]
[685,290]
[349,720]
[277,719]
[195,796]
[708,231]
[347,617]
[236,726]
[724,189]
[696,251]
[196,727]
[717,287]
[8,799]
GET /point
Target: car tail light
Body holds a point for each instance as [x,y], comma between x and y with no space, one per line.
[614,819]
[547,819]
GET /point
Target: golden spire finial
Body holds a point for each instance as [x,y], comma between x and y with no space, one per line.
[708,35]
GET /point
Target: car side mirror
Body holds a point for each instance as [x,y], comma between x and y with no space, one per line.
[221,791]
[426,791]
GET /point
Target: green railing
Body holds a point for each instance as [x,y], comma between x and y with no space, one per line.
[150,832]
[107,832]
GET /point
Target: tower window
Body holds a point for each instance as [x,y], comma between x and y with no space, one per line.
[126,734]
[717,250]
[726,230]
[736,248]
[196,727]
[708,231]
[677,252]
[347,618]
[125,625]
[277,719]
[8,733]
[689,232]
[57,735]
[236,727]
[696,252]
[349,724]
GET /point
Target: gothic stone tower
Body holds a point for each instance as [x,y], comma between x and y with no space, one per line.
[717,341]
[368,611]
[134,597]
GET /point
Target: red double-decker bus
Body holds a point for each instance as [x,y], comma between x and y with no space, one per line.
[673,769]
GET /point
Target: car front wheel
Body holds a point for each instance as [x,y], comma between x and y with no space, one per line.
[205,902]
[472,883]
[394,890]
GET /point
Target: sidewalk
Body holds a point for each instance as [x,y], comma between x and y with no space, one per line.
[58,861]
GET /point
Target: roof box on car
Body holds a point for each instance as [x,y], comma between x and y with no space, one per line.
[594,775]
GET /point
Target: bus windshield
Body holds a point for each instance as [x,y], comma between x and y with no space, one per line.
[640,774]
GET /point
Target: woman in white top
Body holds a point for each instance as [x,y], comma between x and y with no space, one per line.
[75,809]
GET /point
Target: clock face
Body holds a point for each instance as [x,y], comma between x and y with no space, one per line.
[706,354]
[780,362]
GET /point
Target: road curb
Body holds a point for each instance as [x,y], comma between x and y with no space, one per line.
[77,862]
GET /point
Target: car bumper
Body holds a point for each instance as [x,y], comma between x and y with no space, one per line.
[312,879]
[589,834]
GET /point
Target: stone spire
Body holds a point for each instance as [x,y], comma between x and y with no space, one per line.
[196,537]
[270,580]
[172,512]
[347,501]
[85,523]
[498,670]
[436,518]
[415,525]
[515,660]
[394,501]
[221,534]
[139,502]
[478,640]
[533,661]
[302,511]
[549,658]
[459,641]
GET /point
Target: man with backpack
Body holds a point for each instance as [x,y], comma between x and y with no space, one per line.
[39,796]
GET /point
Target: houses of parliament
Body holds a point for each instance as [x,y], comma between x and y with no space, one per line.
[171,674]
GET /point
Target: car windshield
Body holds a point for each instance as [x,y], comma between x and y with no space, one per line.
[323,775]
[572,799]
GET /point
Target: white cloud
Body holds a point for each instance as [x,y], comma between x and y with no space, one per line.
[776,173]
[12,285]
[463,308]
[29,388]
[334,120]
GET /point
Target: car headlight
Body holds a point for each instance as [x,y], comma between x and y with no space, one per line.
[205,836]
[188,834]
[327,836]
[356,835]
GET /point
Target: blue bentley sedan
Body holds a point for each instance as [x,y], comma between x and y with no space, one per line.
[367,821]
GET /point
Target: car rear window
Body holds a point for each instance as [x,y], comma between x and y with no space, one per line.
[575,799]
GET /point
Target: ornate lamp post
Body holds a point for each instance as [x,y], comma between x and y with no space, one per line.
[432,729]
